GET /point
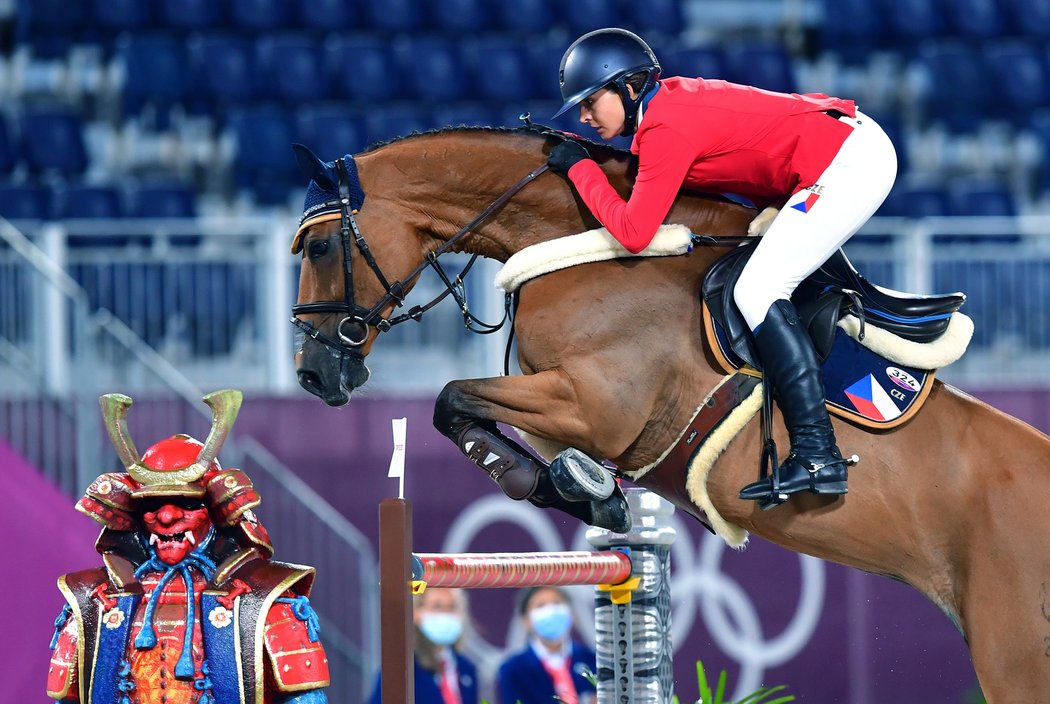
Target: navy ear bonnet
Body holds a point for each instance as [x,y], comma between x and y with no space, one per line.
[322,195]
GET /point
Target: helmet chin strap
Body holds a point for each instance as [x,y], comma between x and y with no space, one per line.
[631,106]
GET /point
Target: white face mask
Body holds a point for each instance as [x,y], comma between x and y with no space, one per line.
[551,621]
[441,628]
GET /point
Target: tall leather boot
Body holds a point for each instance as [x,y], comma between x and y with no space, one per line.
[790,363]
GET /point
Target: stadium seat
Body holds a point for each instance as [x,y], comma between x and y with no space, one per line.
[852,28]
[330,131]
[500,70]
[260,15]
[911,20]
[85,202]
[460,17]
[916,201]
[329,15]
[469,114]
[49,27]
[25,202]
[970,197]
[1039,124]
[763,65]
[396,15]
[958,90]
[223,68]
[9,156]
[702,61]
[291,68]
[114,16]
[363,69]
[583,16]
[432,68]
[528,17]
[192,14]
[1030,18]
[975,19]
[156,71]
[388,122]
[166,200]
[655,18]
[545,59]
[1018,70]
[264,163]
[52,141]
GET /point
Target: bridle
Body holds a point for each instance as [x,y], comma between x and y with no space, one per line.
[353,330]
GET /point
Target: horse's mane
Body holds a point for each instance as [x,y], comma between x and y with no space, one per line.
[598,149]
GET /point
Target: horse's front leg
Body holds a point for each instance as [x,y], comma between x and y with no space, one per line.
[545,405]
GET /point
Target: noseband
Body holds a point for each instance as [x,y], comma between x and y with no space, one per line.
[353,329]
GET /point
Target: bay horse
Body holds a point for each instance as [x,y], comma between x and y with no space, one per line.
[615,364]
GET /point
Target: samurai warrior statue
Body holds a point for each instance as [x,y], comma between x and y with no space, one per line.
[188,607]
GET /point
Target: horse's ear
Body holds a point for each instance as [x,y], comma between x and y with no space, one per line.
[312,167]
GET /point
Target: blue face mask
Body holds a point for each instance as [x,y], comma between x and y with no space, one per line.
[551,621]
[441,629]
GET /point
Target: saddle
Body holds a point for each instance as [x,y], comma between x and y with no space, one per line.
[874,387]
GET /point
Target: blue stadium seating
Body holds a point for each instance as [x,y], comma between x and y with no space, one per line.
[586,15]
[261,15]
[83,202]
[291,67]
[981,197]
[527,17]
[49,27]
[9,156]
[330,131]
[545,60]
[654,19]
[387,122]
[500,70]
[959,90]
[191,15]
[329,15]
[1039,124]
[911,20]
[363,69]
[264,162]
[760,64]
[702,61]
[1030,18]
[852,28]
[1021,77]
[166,200]
[52,141]
[25,202]
[460,16]
[975,19]
[223,67]
[916,201]
[156,70]
[469,114]
[396,15]
[433,68]
[114,16]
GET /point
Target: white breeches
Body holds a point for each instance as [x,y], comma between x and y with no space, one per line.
[802,238]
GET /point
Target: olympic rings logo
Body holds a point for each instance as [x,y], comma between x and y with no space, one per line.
[698,587]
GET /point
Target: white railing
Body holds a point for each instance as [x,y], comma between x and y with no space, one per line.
[217,310]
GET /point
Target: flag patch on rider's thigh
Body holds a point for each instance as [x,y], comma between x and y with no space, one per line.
[803,206]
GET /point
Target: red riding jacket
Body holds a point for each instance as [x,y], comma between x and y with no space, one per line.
[719,137]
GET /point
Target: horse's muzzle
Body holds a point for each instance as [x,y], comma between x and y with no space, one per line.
[330,375]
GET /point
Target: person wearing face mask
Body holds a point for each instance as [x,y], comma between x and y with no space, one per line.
[443,675]
[553,663]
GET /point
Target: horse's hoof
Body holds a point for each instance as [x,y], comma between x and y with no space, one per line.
[611,513]
[577,477]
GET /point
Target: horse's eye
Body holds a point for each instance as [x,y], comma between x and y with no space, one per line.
[317,249]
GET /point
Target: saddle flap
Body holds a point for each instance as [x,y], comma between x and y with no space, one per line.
[820,316]
[718,297]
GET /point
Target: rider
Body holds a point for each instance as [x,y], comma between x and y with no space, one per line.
[823,162]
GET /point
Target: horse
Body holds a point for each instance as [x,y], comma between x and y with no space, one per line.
[615,363]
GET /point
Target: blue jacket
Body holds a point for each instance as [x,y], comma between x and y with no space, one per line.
[522,677]
[428,691]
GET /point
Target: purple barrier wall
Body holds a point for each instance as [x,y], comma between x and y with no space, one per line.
[43,537]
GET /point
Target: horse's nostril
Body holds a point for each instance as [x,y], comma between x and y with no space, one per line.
[310,381]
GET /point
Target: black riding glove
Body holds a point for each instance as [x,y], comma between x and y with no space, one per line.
[564,156]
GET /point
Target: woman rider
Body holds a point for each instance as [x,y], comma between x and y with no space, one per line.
[824,163]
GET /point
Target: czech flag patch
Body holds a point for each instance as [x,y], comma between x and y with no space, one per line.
[871,400]
[804,205]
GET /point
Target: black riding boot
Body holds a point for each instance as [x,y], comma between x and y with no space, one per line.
[790,363]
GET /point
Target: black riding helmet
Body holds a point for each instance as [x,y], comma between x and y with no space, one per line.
[607,57]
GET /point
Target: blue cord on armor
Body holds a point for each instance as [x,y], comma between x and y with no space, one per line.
[304,612]
[204,684]
[59,622]
[124,684]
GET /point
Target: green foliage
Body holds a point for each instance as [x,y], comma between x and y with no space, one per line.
[765,695]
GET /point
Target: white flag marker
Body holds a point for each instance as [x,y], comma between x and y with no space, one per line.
[397,459]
